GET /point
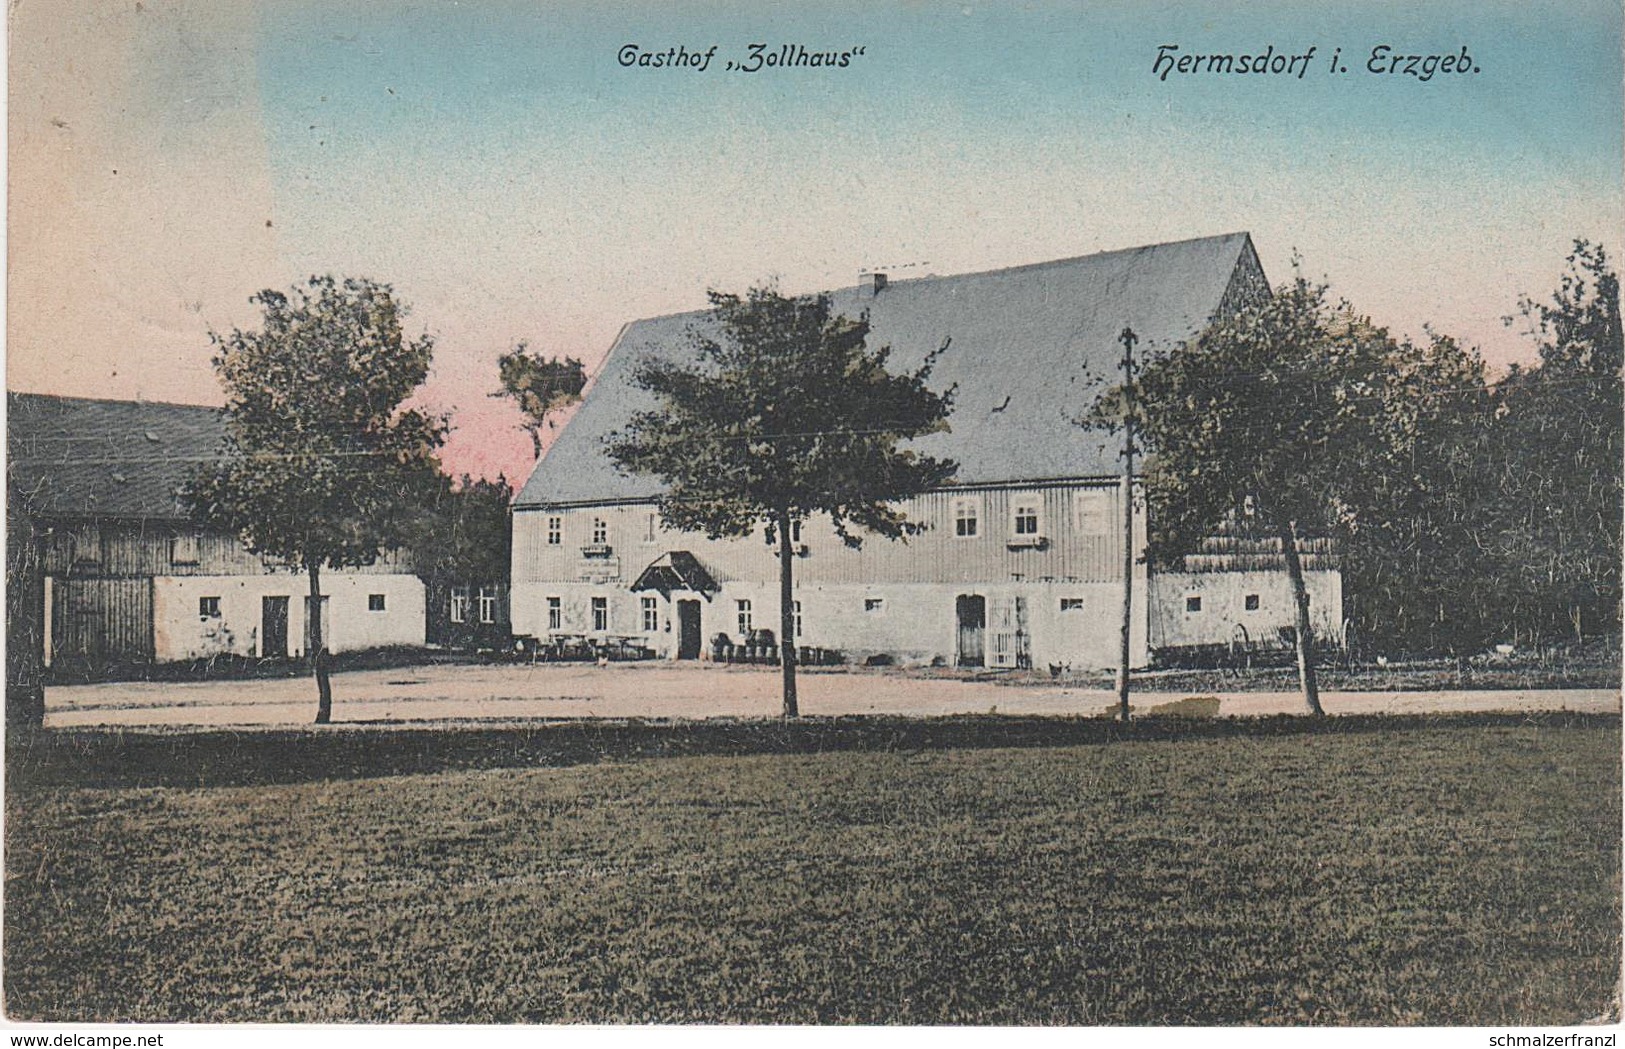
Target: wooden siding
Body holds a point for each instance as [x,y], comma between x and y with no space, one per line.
[101,619]
[122,549]
[1077,547]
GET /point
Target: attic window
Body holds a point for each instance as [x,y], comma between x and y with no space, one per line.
[1193,604]
[1252,602]
[183,549]
[1093,511]
[87,545]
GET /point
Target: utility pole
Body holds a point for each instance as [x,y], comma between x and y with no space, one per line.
[1128,339]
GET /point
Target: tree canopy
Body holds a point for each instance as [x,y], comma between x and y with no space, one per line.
[1466,511]
[540,386]
[322,463]
[1261,423]
[464,533]
[1558,451]
[784,412]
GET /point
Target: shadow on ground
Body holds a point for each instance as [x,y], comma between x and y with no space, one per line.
[108,759]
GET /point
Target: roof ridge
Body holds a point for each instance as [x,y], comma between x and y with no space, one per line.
[1020,267]
[1024,267]
[143,403]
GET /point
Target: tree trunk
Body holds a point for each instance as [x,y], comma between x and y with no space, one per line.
[1300,600]
[25,623]
[318,647]
[1124,649]
[787,615]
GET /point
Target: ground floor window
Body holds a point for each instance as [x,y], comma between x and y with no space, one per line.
[651,615]
[743,608]
[459,604]
[600,613]
[555,614]
[488,604]
[797,606]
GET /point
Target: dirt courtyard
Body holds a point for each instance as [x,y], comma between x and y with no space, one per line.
[664,690]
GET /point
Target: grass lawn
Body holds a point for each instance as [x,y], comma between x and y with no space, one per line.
[1447,871]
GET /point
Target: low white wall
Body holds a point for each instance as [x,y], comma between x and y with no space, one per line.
[180,632]
[1224,614]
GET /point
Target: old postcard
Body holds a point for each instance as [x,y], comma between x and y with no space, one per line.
[1100,514]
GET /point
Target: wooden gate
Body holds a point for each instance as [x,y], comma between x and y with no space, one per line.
[101,620]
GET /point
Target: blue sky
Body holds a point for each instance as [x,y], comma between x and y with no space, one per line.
[498,165]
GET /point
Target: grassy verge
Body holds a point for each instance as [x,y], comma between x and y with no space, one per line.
[1461,870]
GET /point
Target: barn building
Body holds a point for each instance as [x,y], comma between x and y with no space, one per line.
[1020,563]
[117,574]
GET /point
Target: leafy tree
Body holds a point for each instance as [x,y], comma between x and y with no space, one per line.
[540,386]
[321,462]
[1415,568]
[464,532]
[1268,409]
[1559,450]
[785,413]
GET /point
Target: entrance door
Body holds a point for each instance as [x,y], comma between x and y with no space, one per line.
[971,611]
[273,628]
[688,630]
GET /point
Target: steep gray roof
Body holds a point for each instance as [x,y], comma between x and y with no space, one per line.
[1032,346]
[72,457]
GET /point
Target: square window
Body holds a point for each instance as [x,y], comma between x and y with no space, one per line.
[183,550]
[555,531]
[1092,512]
[600,614]
[375,602]
[967,518]
[1252,602]
[651,615]
[1072,604]
[208,607]
[1193,604]
[555,614]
